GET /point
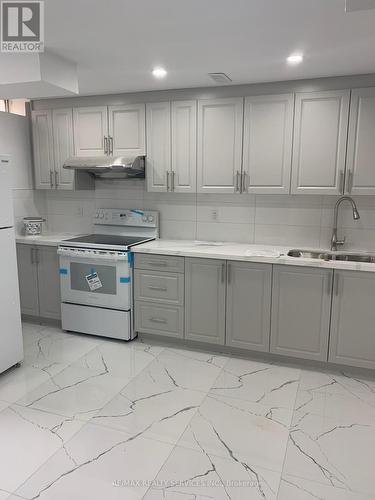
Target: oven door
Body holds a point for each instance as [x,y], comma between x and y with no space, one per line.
[100,282]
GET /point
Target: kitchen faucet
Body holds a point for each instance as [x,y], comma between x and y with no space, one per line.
[334,241]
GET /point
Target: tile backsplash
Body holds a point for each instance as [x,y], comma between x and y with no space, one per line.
[301,220]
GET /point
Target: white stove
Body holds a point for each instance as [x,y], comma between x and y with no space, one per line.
[96,273]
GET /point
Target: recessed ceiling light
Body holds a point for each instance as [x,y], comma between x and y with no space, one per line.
[295,59]
[159,72]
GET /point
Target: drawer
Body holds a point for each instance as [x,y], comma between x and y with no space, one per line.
[157,286]
[160,262]
[161,320]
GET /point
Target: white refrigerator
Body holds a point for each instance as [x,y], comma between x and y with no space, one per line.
[11,348]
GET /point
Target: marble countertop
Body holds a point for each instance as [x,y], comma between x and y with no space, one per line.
[47,239]
[270,254]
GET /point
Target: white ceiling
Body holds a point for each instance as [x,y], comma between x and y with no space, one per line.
[116,43]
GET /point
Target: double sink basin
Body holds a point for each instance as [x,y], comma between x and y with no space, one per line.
[327,256]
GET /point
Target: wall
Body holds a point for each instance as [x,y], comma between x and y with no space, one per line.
[295,221]
[15,141]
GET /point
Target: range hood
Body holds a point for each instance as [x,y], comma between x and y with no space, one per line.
[108,167]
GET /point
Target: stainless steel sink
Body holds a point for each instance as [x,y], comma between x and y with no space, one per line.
[343,257]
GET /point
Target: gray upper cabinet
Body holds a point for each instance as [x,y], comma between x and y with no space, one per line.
[28,279]
[44,166]
[63,147]
[219,163]
[127,132]
[249,305]
[205,283]
[353,319]
[267,149]
[158,138]
[320,138]
[90,130]
[301,305]
[360,175]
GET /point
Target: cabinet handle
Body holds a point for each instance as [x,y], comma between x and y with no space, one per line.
[56,179]
[173,177]
[243,184]
[105,145]
[167,180]
[158,288]
[349,185]
[229,273]
[158,320]
[51,178]
[341,185]
[110,141]
[237,182]
[223,272]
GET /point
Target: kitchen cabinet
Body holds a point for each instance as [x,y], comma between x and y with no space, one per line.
[184,146]
[267,149]
[248,305]
[91,131]
[319,145]
[158,139]
[126,130]
[205,284]
[360,175]
[39,280]
[219,156]
[301,306]
[63,148]
[353,318]
[44,167]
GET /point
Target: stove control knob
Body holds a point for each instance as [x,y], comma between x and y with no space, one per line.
[144,219]
[150,218]
[97,215]
[101,216]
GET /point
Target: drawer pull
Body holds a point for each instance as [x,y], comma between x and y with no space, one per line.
[158,320]
[158,288]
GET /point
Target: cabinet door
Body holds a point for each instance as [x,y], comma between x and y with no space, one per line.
[90,127]
[268,134]
[301,304]
[205,300]
[49,282]
[63,146]
[320,138]
[43,149]
[353,317]
[360,178]
[158,138]
[220,124]
[127,129]
[28,279]
[184,146]
[249,305]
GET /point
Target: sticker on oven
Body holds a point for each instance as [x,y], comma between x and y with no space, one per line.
[93,281]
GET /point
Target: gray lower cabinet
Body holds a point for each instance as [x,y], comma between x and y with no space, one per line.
[301,306]
[28,280]
[39,280]
[249,305]
[353,319]
[205,284]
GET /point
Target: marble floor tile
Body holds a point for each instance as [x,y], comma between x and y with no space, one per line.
[333,451]
[32,332]
[265,383]
[104,461]
[189,372]
[18,381]
[75,392]
[3,405]
[153,404]
[28,438]
[191,474]
[253,433]
[296,488]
